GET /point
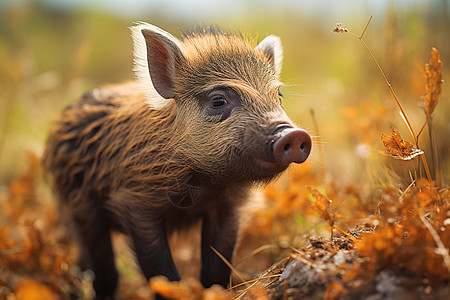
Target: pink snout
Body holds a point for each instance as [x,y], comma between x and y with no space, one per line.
[294,145]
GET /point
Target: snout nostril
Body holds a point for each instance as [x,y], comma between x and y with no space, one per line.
[294,145]
[303,146]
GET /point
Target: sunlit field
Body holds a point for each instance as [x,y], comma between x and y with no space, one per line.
[375,185]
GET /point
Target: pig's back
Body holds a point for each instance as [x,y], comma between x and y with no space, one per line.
[79,139]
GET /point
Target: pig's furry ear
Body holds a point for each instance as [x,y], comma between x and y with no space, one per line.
[155,53]
[272,49]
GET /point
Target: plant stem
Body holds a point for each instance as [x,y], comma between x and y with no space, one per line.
[434,152]
[441,249]
[427,170]
[402,111]
[387,82]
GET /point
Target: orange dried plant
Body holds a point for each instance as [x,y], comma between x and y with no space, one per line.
[399,148]
[433,78]
[433,81]
[186,289]
[34,260]
[411,233]
[322,205]
[340,29]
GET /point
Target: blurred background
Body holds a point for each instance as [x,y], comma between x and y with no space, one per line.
[52,51]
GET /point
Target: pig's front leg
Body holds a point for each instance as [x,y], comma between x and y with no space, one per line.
[151,246]
[219,231]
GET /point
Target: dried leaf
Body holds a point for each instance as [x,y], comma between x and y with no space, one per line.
[28,289]
[322,205]
[334,290]
[399,148]
[185,289]
[164,287]
[216,292]
[257,292]
[433,78]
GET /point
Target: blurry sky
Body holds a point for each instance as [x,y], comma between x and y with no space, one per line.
[188,10]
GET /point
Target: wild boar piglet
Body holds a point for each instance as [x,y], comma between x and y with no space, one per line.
[185,143]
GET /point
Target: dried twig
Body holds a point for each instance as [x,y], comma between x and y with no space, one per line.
[341,29]
[233,269]
[440,245]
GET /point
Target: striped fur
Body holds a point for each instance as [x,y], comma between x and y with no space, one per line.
[126,157]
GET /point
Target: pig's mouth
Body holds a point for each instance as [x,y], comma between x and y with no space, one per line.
[270,166]
[256,166]
[269,153]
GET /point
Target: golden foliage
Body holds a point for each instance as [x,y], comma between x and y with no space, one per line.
[287,199]
[322,205]
[28,289]
[334,290]
[399,148]
[365,120]
[34,262]
[186,290]
[408,240]
[401,238]
[433,78]
[22,191]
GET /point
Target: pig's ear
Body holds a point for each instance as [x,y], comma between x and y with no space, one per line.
[272,49]
[155,55]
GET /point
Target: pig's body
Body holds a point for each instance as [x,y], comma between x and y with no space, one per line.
[185,146]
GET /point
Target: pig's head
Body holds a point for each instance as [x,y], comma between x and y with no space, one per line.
[230,124]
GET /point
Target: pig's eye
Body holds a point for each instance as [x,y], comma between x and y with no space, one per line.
[218,102]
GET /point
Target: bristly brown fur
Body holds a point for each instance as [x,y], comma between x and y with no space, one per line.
[206,30]
[124,157]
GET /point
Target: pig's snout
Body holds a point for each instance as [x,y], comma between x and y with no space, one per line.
[293,145]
